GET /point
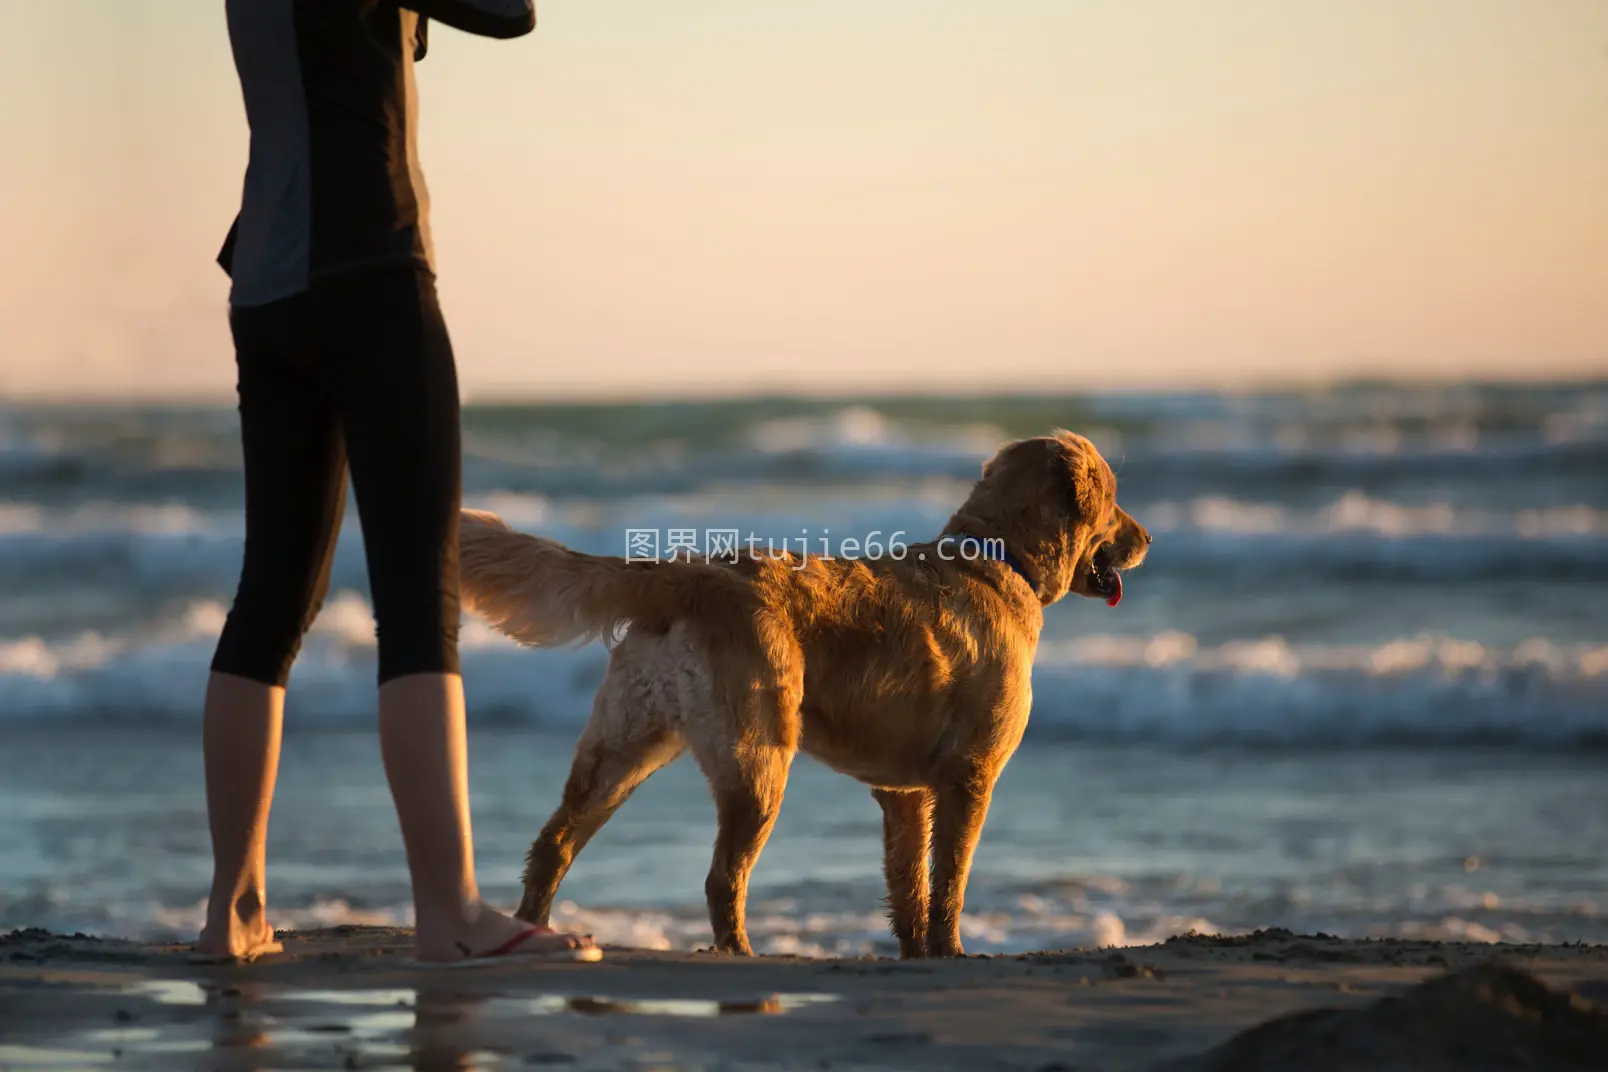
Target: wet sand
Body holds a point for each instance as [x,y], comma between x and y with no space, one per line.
[346,998]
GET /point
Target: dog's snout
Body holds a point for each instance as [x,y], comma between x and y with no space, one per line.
[1137,533]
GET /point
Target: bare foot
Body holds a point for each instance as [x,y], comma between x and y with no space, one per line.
[494,932]
[238,940]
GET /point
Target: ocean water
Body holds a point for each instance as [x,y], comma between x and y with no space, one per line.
[1360,686]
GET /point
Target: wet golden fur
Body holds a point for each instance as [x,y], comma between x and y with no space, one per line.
[911,676]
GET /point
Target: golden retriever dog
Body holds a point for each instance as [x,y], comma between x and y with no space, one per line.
[911,675]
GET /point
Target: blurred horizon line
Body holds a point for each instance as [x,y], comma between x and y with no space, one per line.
[871,392]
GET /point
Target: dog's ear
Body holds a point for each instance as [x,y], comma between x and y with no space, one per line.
[1045,496]
[1085,480]
[1055,480]
[1059,473]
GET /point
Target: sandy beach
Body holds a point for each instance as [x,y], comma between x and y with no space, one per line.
[347,998]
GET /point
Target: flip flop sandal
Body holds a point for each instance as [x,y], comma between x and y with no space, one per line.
[509,951]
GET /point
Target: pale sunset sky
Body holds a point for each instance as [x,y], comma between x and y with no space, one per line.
[647,198]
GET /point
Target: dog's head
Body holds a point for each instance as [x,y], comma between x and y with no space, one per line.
[1053,501]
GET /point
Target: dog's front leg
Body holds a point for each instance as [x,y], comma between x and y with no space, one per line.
[960,806]
[906,840]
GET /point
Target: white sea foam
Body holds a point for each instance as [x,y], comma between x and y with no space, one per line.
[1170,688]
[1355,512]
[1165,688]
[154,519]
[859,437]
[776,925]
[152,555]
[785,924]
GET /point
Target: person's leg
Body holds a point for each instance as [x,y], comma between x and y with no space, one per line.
[240,729]
[295,490]
[398,391]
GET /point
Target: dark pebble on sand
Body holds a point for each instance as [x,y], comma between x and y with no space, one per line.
[1594,991]
[1489,1018]
[1136,971]
[900,1038]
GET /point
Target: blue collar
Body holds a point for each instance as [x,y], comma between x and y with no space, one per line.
[985,546]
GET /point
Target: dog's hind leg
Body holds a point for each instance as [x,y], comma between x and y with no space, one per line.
[607,770]
[906,838]
[748,783]
[741,718]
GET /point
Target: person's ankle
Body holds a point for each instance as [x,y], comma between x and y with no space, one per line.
[243,911]
[442,923]
[450,913]
[238,926]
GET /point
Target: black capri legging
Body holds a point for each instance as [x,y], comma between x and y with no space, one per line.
[359,371]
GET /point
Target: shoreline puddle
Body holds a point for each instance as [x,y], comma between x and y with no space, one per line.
[411,1005]
[383,1024]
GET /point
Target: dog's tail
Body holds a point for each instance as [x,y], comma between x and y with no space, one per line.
[540,592]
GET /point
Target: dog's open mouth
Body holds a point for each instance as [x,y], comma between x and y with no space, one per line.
[1105,580]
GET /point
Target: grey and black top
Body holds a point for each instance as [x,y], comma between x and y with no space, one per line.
[333,184]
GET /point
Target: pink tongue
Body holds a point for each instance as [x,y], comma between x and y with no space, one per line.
[1116,588]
